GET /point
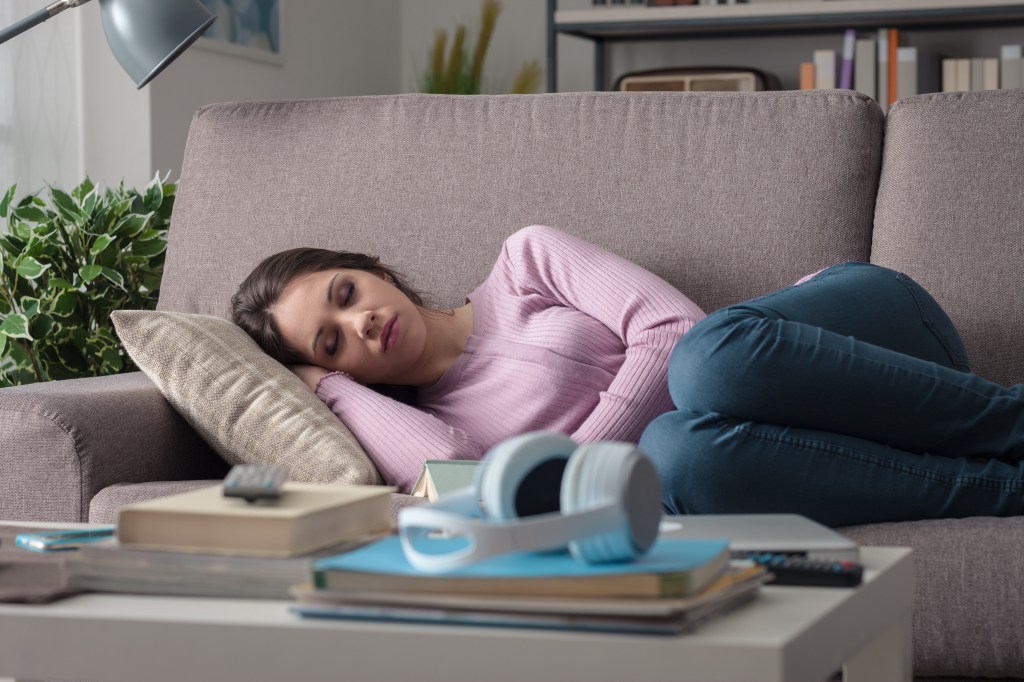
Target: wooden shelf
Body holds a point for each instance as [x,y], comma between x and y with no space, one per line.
[606,25]
[634,23]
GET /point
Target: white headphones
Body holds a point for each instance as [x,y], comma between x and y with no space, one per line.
[540,491]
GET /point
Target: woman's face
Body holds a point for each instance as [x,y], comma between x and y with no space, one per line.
[355,322]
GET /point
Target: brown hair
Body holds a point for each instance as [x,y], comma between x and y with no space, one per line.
[252,304]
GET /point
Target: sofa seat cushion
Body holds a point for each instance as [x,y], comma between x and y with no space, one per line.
[968,592]
[106,503]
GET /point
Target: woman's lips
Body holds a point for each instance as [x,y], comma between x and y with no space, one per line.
[389,335]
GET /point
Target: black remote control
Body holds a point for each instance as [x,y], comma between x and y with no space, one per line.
[791,569]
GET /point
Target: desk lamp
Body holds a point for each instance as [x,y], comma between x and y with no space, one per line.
[144,35]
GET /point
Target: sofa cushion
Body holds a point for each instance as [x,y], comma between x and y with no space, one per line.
[968,592]
[725,195]
[248,407]
[949,215]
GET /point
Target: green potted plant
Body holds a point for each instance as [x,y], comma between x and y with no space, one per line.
[68,261]
[462,73]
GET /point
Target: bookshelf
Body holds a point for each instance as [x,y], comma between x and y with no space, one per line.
[605,26]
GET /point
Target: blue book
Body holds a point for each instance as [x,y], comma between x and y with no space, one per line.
[672,568]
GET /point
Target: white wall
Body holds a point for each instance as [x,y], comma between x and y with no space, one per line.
[520,35]
[40,135]
[331,48]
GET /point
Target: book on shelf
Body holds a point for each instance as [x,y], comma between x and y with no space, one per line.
[1011,67]
[824,69]
[672,568]
[806,75]
[846,67]
[112,567]
[883,68]
[305,518]
[442,476]
[916,73]
[865,64]
[894,47]
[734,586]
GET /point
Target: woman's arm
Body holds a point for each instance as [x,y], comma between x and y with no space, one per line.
[397,437]
[647,313]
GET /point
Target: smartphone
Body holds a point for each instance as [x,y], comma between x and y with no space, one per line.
[61,540]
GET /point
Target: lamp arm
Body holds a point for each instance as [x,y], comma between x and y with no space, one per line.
[37,18]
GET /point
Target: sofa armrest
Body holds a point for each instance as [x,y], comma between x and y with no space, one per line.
[61,442]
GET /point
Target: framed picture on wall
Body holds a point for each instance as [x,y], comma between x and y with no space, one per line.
[246,28]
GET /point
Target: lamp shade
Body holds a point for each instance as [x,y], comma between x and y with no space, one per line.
[147,35]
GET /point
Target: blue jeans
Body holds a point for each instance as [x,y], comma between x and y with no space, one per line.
[847,399]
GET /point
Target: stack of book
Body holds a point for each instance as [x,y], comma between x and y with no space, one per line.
[674,587]
[881,68]
[205,544]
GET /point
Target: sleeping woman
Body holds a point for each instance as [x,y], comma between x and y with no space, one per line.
[846,397]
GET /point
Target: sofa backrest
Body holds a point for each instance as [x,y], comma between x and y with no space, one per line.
[726,195]
[950,215]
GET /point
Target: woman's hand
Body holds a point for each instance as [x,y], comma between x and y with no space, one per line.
[310,374]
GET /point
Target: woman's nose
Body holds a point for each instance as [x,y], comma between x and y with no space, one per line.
[364,324]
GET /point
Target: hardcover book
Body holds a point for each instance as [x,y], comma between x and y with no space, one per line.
[307,517]
[672,568]
[734,586]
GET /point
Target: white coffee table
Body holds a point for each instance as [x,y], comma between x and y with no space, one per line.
[793,634]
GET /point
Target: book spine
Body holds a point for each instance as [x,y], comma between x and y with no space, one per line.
[824,69]
[864,66]
[883,68]
[1011,73]
[906,72]
[806,75]
[990,74]
[977,73]
[948,75]
[846,72]
[963,74]
[894,45]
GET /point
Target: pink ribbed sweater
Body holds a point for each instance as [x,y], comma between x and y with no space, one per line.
[566,337]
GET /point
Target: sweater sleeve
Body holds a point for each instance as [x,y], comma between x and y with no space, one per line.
[647,314]
[397,437]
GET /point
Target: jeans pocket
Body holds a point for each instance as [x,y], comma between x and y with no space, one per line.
[937,322]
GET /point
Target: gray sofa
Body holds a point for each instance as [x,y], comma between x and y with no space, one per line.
[725,195]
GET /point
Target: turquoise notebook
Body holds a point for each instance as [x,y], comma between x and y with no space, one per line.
[385,556]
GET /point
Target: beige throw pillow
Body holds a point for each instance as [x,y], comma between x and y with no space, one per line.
[247,406]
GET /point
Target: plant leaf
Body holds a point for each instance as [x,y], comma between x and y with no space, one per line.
[65,205]
[64,304]
[101,243]
[149,247]
[132,224]
[113,276]
[90,272]
[16,327]
[8,198]
[3,343]
[29,306]
[154,194]
[31,214]
[30,268]
[42,326]
[59,283]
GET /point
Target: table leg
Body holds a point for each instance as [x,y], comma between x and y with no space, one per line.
[887,657]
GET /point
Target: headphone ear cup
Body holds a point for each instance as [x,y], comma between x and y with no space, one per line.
[512,465]
[609,473]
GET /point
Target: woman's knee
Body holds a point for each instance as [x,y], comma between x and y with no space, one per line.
[709,361]
[696,472]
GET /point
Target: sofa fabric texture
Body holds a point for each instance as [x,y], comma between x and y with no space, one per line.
[725,195]
[949,215]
